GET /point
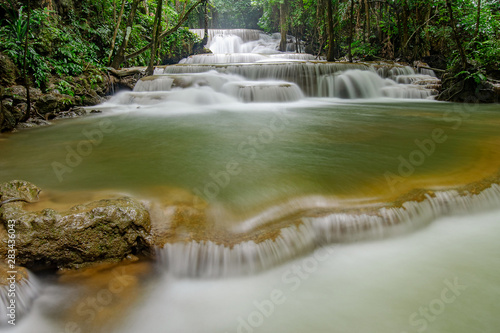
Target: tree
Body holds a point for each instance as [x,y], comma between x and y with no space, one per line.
[283,25]
[460,47]
[351,16]
[331,38]
[27,113]
[156,30]
[120,55]
[117,27]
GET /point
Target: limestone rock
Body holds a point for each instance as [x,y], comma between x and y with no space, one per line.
[54,102]
[105,230]
[8,71]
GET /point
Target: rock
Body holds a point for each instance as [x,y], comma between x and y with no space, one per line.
[467,90]
[8,119]
[33,122]
[19,189]
[90,100]
[127,82]
[71,113]
[18,94]
[54,102]
[8,71]
[104,230]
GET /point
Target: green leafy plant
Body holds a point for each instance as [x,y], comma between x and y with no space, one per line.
[65,88]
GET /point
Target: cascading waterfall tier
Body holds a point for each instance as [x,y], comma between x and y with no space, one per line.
[246,35]
[207,259]
[231,58]
[229,84]
[271,91]
[354,84]
[304,74]
[254,56]
[321,79]
[246,41]
[166,82]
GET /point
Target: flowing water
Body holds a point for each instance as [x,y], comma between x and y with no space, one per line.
[311,152]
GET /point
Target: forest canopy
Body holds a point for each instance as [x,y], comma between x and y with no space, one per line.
[67,37]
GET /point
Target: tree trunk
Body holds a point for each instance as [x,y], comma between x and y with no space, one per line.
[283,26]
[156,31]
[114,11]
[329,13]
[404,42]
[460,48]
[120,55]
[478,17]
[117,27]
[351,16]
[427,51]
[27,114]
[380,12]
[367,18]
[205,22]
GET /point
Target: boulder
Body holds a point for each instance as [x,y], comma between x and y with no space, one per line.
[464,89]
[54,102]
[18,94]
[8,71]
[104,230]
[8,118]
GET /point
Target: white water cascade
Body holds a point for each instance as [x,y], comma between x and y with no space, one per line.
[367,84]
[316,78]
[210,260]
[26,289]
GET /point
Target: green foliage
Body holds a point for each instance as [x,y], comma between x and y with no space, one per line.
[231,14]
[364,50]
[65,88]
[76,41]
[53,48]
[12,38]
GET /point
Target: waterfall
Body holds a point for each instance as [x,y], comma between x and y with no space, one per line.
[27,289]
[223,58]
[208,259]
[354,84]
[262,62]
[246,35]
[222,41]
[271,91]
[305,73]
[230,58]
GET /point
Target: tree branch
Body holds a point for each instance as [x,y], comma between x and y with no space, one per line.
[166,32]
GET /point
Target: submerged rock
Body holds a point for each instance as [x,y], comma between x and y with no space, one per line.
[104,230]
[32,123]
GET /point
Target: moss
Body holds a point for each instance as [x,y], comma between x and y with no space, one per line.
[8,71]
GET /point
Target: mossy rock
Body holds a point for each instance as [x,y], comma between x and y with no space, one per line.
[9,116]
[54,102]
[8,71]
[105,230]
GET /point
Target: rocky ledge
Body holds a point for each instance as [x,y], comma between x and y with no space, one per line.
[99,231]
[60,97]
